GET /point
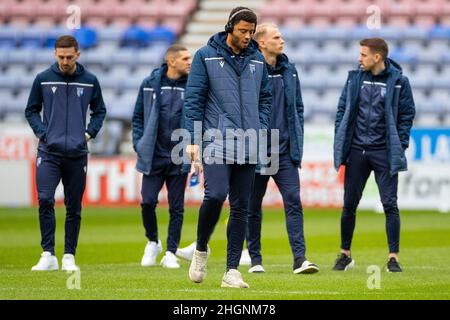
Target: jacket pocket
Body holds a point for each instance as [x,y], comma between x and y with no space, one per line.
[139,146]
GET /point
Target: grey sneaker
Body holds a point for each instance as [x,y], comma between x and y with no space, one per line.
[197,269]
[257,269]
[233,279]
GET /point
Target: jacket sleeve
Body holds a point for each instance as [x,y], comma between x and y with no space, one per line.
[265,100]
[196,94]
[406,113]
[341,107]
[97,106]
[137,122]
[34,108]
[299,103]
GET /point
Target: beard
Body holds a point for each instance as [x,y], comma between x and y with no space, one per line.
[236,41]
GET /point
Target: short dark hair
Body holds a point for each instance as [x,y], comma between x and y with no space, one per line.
[376,45]
[174,49]
[66,41]
[248,16]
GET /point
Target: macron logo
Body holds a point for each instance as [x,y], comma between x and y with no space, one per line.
[222,63]
[53,89]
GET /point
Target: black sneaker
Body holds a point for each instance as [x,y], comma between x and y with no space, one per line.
[344,263]
[303,266]
[393,266]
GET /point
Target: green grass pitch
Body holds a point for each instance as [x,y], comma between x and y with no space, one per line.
[112,242]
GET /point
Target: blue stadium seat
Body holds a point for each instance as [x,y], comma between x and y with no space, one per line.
[402,55]
[23,56]
[336,33]
[415,33]
[86,37]
[309,33]
[162,34]
[123,107]
[109,33]
[32,37]
[4,56]
[439,32]
[135,37]
[361,32]
[8,37]
[126,56]
[17,104]
[44,56]
[51,36]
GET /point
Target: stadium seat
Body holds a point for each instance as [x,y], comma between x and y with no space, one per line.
[53,34]
[9,36]
[86,37]
[162,34]
[136,37]
[32,37]
[439,32]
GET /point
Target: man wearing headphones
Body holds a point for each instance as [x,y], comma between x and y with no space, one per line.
[227,92]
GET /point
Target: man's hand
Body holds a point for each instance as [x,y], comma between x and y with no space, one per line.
[193,151]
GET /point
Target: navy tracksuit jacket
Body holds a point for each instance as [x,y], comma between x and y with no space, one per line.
[373,142]
[226,91]
[157,113]
[287,176]
[62,151]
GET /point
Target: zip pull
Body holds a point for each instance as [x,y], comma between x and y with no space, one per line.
[364,152]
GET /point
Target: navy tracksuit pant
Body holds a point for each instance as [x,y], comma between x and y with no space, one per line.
[163,170]
[50,170]
[287,180]
[236,181]
[357,170]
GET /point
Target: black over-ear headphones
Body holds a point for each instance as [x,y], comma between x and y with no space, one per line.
[229,26]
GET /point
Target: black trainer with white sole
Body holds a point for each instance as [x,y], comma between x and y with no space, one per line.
[344,263]
[393,265]
[303,266]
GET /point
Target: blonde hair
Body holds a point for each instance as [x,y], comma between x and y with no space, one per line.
[262,29]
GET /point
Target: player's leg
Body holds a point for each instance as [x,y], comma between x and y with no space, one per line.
[241,185]
[387,186]
[216,190]
[357,171]
[176,185]
[288,182]
[48,175]
[255,219]
[151,186]
[74,181]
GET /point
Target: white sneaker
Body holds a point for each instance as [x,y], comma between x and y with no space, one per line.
[256,269]
[197,269]
[170,261]
[47,262]
[186,253]
[233,279]
[245,258]
[68,263]
[152,250]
